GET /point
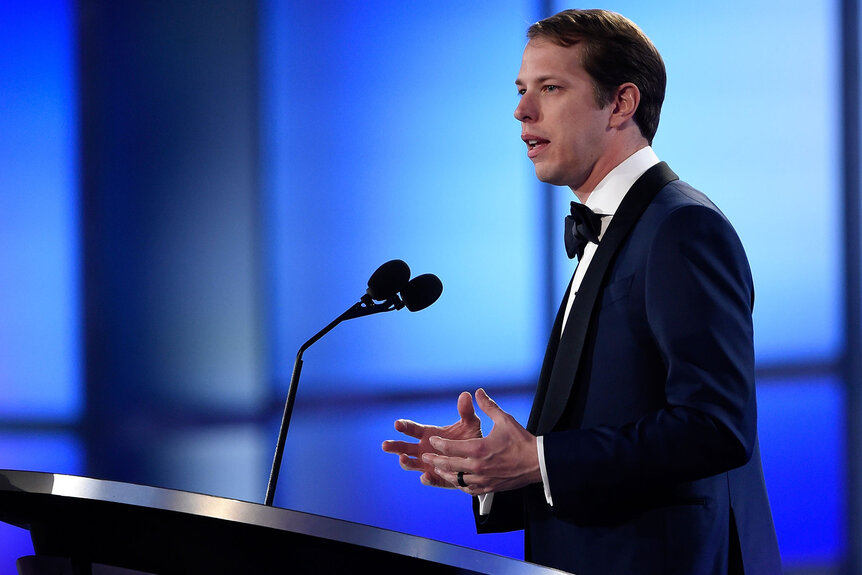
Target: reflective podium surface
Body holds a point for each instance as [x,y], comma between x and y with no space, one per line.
[163,531]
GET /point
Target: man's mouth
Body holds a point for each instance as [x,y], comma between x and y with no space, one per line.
[535,144]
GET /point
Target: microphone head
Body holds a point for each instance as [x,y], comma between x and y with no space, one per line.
[422,291]
[388,280]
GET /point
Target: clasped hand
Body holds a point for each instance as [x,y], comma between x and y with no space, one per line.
[506,459]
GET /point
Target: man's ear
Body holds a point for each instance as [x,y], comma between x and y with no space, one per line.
[625,104]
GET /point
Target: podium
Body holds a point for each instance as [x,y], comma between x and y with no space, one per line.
[83,523]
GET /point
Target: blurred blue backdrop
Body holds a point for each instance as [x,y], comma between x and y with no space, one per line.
[190,190]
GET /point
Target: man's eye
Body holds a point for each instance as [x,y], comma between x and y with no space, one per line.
[522,91]
[551,88]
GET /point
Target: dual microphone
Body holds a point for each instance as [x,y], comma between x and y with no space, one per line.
[391,286]
[393,278]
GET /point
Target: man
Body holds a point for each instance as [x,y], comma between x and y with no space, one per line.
[640,455]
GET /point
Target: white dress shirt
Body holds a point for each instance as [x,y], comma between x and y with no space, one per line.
[604,199]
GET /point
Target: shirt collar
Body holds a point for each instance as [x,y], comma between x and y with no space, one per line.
[609,193]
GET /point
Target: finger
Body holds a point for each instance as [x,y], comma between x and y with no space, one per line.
[489,406]
[475,484]
[472,483]
[391,446]
[474,489]
[411,463]
[410,428]
[434,481]
[465,448]
[451,478]
[465,406]
[448,464]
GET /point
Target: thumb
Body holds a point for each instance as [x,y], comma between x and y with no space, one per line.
[465,406]
[488,405]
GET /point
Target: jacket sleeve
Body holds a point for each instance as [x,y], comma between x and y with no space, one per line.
[507,513]
[698,299]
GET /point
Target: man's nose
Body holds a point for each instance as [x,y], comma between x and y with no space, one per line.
[525,110]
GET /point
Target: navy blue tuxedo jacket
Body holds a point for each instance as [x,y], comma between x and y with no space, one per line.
[647,404]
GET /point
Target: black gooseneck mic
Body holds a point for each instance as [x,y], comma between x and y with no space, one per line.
[384,285]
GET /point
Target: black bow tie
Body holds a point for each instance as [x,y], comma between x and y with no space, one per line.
[582,226]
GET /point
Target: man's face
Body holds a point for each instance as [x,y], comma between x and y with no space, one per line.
[565,130]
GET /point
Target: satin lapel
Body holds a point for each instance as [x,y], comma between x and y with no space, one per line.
[565,365]
[548,362]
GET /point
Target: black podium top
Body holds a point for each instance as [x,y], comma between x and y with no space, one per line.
[167,531]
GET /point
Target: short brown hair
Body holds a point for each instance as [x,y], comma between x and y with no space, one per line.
[615,51]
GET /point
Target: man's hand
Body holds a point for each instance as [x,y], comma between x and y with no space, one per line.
[507,459]
[410,454]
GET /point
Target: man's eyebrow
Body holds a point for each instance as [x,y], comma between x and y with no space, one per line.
[539,80]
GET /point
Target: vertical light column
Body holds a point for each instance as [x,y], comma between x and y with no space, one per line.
[40,352]
[40,375]
[850,134]
[170,211]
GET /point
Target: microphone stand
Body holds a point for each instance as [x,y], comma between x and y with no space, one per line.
[365,306]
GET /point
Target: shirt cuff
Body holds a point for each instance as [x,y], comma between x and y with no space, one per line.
[485,503]
[540,445]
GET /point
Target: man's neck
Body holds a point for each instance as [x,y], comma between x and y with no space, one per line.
[605,166]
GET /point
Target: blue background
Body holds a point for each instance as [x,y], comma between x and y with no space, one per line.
[324,139]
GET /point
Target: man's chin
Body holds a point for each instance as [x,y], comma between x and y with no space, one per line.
[556,178]
[547,177]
